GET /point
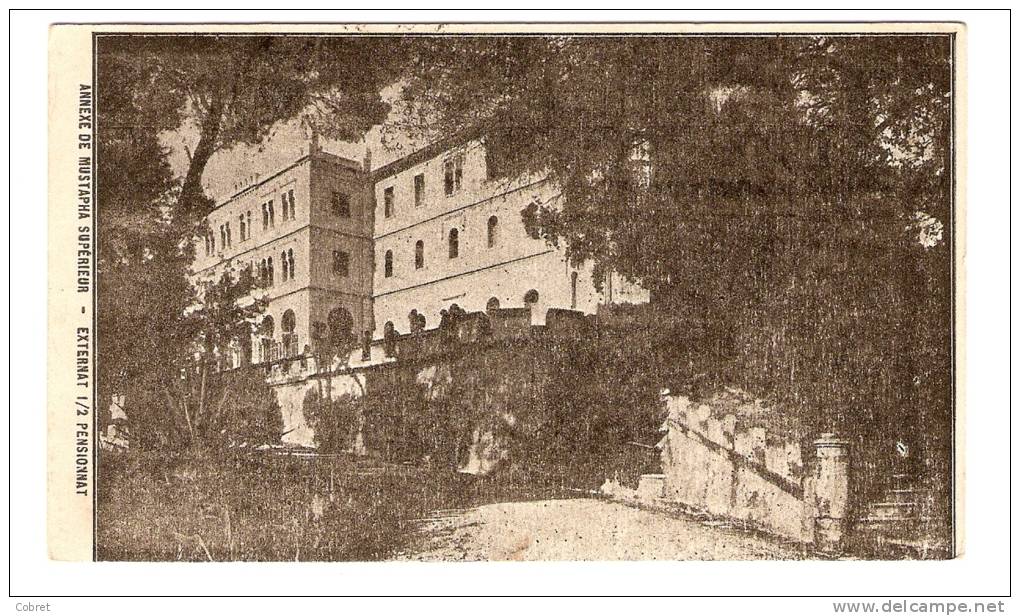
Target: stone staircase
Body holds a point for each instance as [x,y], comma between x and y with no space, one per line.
[893,524]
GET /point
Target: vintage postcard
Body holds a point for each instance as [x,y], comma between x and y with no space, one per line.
[505,292]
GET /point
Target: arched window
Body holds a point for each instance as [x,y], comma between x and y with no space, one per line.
[290,260]
[573,290]
[284,265]
[290,342]
[419,254]
[531,297]
[289,321]
[341,326]
[454,241]
[270,266]
[493,231]
[492,304]
[388,264]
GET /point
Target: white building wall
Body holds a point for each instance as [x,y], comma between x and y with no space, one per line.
[506,270]
[312,234]
[296,178]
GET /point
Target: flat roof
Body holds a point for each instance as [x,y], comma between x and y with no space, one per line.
[340,160]
[421,155]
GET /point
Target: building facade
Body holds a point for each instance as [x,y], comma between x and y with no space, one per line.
[305,233]
[449,231]
[337,247]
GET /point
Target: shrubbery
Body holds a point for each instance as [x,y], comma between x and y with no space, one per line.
[565,412]
[334,422]
[231,408]
[254,507]
[409,421]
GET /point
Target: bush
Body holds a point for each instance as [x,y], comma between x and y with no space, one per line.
[405,422]
[251,507]
[563,412]
[247,411]
[239,408]
[334,422]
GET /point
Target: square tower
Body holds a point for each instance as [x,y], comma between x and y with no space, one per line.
[305,232]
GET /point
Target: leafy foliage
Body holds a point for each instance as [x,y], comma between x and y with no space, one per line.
[569,413]
[244,410]
[410,421]
[255,507]
[334,421]
[144,252]
[228,91]
[771,192]
[234,90]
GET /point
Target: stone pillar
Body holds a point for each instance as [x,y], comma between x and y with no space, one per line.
[832,491]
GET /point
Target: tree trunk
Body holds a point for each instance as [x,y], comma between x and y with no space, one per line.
[192,195]
[201,399]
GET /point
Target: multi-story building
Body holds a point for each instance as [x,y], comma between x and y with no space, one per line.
[339,247]
[449,230]
[305,232]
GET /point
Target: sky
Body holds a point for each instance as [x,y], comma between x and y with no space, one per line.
[287,142]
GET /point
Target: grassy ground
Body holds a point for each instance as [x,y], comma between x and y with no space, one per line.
[269,508]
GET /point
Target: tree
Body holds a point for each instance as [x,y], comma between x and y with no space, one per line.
[228,91]
[246,413]
[234,89]
[143,256]
[220,324]
[771,192]
[334,422]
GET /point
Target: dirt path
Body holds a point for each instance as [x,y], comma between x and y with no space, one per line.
[581,529]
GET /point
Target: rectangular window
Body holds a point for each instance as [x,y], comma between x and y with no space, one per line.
[248,217]
[242,227]
[419,189]
[341,205]
[453,174]
[388,202]
[229,242]
[287,201]
[272,215]
[341,263]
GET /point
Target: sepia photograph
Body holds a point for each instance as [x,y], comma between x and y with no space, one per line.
[423,311]
[525,296]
